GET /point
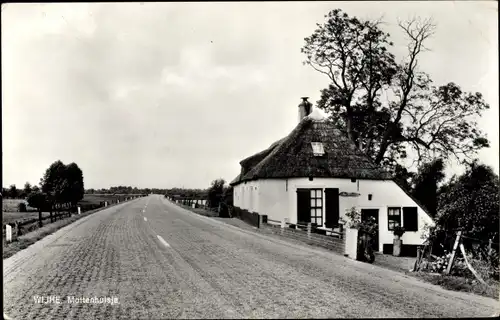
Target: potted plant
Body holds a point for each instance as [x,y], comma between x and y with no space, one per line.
[351,222]
[398,242]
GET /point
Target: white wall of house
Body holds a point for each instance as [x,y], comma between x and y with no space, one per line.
[267,197]
[385,193]
[277,198]
[273,197]
[246,195]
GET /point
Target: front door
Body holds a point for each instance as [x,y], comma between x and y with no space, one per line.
[303,206]
[331,207]
[365,213]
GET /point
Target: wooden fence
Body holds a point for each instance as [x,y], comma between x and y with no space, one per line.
[308,233]
[251,218]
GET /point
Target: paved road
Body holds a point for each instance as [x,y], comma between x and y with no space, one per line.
[167,262]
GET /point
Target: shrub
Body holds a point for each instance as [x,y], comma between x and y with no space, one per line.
[21,207]
[398,231]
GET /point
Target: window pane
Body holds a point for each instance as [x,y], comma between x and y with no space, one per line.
[313,203]
[394,211]
[318,193]
[319,203]
[312,193]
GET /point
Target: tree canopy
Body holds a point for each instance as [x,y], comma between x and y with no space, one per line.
[13,192]
[27,188]
[62,183]
[391,108]
[426,182]
[37,199]
[471,202]
[216,192]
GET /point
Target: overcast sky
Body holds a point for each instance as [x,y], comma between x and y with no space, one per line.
[176,94]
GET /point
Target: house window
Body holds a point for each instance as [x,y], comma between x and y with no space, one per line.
[410,218]
[317,206]
[393,218]
[317,148]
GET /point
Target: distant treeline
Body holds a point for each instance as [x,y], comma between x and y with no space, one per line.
[180,193]
[125,190]
[174,192]
[218,194]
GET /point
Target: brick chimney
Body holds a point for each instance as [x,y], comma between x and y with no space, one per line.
[305,108]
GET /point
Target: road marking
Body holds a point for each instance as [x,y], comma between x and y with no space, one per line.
[163,241]
[145,219]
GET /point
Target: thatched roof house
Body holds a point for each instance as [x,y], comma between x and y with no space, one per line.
[315,173]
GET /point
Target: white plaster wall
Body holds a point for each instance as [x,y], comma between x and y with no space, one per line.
[385,193]
[273,198]
[237,195]
[246,196]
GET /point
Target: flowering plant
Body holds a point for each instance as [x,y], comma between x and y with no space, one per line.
[398,231]
[353,218]
[354,221]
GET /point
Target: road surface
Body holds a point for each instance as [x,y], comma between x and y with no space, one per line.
[151,259]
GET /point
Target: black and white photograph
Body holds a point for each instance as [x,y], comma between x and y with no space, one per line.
[250,160]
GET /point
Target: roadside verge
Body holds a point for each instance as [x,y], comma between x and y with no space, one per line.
[27,239]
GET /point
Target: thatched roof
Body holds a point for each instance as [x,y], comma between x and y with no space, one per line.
[293,156]
[235,180]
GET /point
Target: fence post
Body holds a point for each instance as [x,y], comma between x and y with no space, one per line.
[283,224]
[79,210]
[8,233]
[452,258]
[105,203]
[419,257]
[260,221]
[478,277]
[308,230]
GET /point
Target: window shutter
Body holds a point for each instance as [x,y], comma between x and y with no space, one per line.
[410,218]
[331,207]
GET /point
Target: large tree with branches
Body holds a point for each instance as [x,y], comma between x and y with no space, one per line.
[390,108]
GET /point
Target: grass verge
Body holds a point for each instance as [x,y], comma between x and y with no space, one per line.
[454,283]
[25,240]
[200,211]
